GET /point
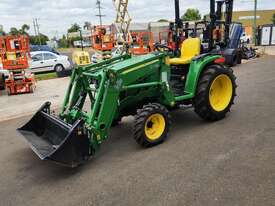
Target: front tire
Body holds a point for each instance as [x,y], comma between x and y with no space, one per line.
[152,124]
[215,94]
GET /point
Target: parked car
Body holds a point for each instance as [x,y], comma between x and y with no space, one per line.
[34,48]
[42,61]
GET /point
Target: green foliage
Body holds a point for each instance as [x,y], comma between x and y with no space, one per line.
[273,18]
[24,29]
[14,31]
[191,15]
[45,76]
[74,28]
[163,20]
[2,32]
[39,38]
[63,43]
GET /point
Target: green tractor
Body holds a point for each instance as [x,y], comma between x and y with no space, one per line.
[148,87]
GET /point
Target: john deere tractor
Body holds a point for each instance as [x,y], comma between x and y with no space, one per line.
[147,87]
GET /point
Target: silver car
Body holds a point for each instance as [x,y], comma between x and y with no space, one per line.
[42,61]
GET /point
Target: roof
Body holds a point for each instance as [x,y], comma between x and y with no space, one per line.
[139,26]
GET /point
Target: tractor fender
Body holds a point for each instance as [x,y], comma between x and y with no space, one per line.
[231,56]
[197,66]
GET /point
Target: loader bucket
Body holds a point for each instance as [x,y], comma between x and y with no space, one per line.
[52,139]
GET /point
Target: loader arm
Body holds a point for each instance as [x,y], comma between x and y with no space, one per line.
[112,89]
[97,95]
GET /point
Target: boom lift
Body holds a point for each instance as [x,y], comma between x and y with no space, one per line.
[146,86]
[15,55]
[142,43]
[103,38]
[103,41]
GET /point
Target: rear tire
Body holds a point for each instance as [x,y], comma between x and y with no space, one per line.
[215,94]
[152,124]
[60,70]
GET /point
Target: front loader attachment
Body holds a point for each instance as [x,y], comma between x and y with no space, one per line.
[53,139]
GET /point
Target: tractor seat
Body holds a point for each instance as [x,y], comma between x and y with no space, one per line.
[189,49]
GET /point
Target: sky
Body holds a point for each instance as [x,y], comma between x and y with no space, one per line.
[56,16]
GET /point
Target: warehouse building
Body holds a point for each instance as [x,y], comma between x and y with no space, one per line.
[247,18]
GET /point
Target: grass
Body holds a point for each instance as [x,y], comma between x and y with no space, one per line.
[45,76]
[71,50]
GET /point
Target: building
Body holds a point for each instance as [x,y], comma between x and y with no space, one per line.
[247,18]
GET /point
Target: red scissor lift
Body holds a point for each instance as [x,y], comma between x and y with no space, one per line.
[15,54]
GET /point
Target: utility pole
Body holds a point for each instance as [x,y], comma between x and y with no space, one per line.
[98,4]
[36,29]
[255,22]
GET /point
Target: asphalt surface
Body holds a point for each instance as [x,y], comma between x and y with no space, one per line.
[230,162]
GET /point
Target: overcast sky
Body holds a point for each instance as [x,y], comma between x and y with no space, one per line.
[55,16]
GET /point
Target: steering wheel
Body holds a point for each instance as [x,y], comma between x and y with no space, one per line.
[163,48]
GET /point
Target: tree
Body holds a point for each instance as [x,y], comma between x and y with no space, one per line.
[163,20]
[74,28]
[273,18]
[191,15]
[14,31]
[87,25]
[36,39]
[2,32]
[24,29]
[63,43]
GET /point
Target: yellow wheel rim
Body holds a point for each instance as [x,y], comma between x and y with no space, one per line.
[220,92]
[154,126]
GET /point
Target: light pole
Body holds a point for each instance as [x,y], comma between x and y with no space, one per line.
[255,22]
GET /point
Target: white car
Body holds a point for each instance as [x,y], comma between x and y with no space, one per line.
[42,61]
